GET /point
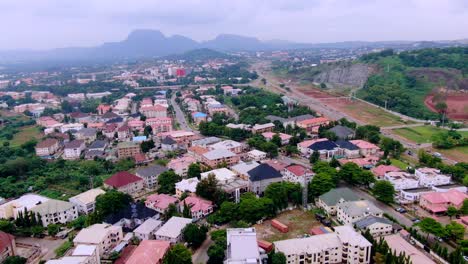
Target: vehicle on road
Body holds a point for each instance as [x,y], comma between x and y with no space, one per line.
[401,210]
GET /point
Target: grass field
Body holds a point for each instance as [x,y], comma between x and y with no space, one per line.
[371,114]
[421,134]
[459,154]
[398,163]
[26,134]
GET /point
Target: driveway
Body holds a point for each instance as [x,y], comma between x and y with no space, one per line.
[47,245]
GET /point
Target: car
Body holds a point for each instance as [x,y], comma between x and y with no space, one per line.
[400,210]
[465,258]
[415,220]
[439,239]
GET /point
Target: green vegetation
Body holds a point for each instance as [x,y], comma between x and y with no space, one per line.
[216,252]
[178,254]
[194,235]
[384,191]
[167,181]
[60,251]
[424,134]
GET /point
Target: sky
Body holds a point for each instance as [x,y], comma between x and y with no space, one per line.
[47,24]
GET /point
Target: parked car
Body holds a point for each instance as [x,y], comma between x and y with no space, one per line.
[400,210]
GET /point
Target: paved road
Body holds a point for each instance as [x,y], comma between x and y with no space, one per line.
[200,255]
[180,117]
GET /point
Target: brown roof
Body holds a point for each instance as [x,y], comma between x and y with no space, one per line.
[74,144]
[5,240]
[122,178]
[47,143]
[198,150]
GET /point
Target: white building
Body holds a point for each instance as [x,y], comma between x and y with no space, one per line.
[73,149]
[401,180]
[70,127]
[104,236]
[27,201]
[430,177]
[377,226]
[222,174]
[350,212]
[242,246]
[86,201]
[147,230]
[297,174]
[82,254]
[186,185]
[256,155]
[172,230]
[230,145]
[56,212]
[343,246]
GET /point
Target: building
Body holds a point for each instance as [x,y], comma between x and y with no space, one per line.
[73,149]
[437,203]
[160,202]
[242,168]
[130,216]
[149,252]
[28,201]
[350,212]
[297,174]
[366,148]
[205,142]
[180,165]
[104,236]
[160,124]
[128,149]
[408,196]
[186,186]
[7,246]
[329,200]
[347,149]
[256,155]
[154,111]
[169,144]
[86,201]
[150,175]
[377,226]
[342,132]
[71,127]
[82,254]
[262,176]
[56,212]
[284,137]
[125,182]
[100,145]
[87,134]
[199,117]
[47,147]
[172,230]
[199,207]
[343,246]
[401,180]
[312,125]
[326,148]
[400,245]
[222,174]
[242,247]
[259,129]
[431,177]
[229,145]
[146,230]
[217,157]
[380,170]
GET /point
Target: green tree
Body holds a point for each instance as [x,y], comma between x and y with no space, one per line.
[276,139]
[53,229]
[384,191]
[178,254]
[6,226]
[194,235]
[167,181]
[146,146]
[451,211]
[278,258]
[464,208]
[430,226]
[281,193]
[314,157]
[320,184]
[194,170]
[349,172]
[208,188]
[15,260]
[216,253]
[111,202]
[455,231]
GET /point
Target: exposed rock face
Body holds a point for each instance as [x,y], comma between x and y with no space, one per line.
[344,74]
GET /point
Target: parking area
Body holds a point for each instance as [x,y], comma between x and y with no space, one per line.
[47,246]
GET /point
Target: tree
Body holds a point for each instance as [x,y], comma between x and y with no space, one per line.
[167,181]
[314,157]
[276,139]
[53,229]
[194,235]
[216,253]
[15,260]
[178,254]
[6,226]
[194,170]
[278,258]
[146,146]
[208,188]
[451,211]
[349,172]
[325,167]
[455,231]
[430,226]
[111,202]
[464,208]
[384,191]
[171,211]
[320,184]
[281,193]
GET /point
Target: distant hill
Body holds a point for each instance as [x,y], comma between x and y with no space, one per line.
[199,55]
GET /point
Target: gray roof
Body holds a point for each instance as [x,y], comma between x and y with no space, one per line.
[332,197]
[97,144]
[168,141]
[206,141]
[87,132]
[342,131]
[52,207]
[300,118]
[218,154]
[370,220]
[359,208]
[151,171]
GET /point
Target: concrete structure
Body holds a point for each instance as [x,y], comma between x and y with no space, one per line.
[26,202]
[431,177]
[150,175]
[199,207]
[149,252]
[256,155]
[105,237]
[181,165]
[128,149]
[262,176]
[242,247]
[219,156]
[172,230]
[242,168]
[297,174]
[401,180]
[82,254]
[56,212]
[258,129]
[366,148]
[147,230]
[86,201]
[47,147]
[401,245]
[229,145]
[125,182]
[160,202]
[284,137]
[73,149]
[329,200]
[311,125]
[222,174]
[186,186]
[436,203]
[350,212]
[377,226]
[380,170]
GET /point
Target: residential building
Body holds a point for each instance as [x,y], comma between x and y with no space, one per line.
[186,186]
[160,124]
[7,246]
[431,177]
[262,128]
[87,134]
[256,155]
[329,200]
[147,230]
[400,245]
[71,127]
[28,201]
[128,149]
[366,148]
[154,111]
[160,202]
[262,176]
[229,145]
[150,175]
[350,212]
[100,145]
[131,216]
[326,148]
[380,170]
[242,247]
[242,168]
[47,147]
[221,174]
[342,132]
[56,212]
[73,149]
[303,146]
[172,230]
[437,203]
[343,246]
[401,180]
[347,149]
[284,137]
[125,182]
[86,201]
[181,165]
[216,157]
[149,252]
[377,226]
[169,144]
[199,207]
[82,254]
[413,195]
[311,125]
[199,117]
[103,108]
[104,236]
[205,142]
[297,174]
[123,133]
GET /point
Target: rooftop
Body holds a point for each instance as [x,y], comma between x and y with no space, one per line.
[218,154]
[121,179]
[263,172]
[244,167]
[173,227]
[94,234]
[161,200]
[151,171]
[342,131]
[148,226]
[399,245]
[52,206]
[359,208]
[149,252]
[97,144]
[333,196]
[221,174]
[74,144]
[189,185]
[242,245]
[370,220]
[88,196]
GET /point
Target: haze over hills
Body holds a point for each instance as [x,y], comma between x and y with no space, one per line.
[152,43]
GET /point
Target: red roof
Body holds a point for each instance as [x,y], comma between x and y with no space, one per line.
[47,143]
[314,121]
[150,252]
[298,170]
[121,179]
[5,240]
[382,169]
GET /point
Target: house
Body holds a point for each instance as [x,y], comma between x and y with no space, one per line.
[92,154]
[329,200]
[100,145]
[172,230]
[159,124]
[347,149]
[28,201]
[131,216]
[205,142]
[303,146]
[199,207]
[169,144]
[366,162]
[104,236]
[377,226]
[146,230]
[217,108]
[186,186]
[154,111]
[343,246]
[366,148]
[352,211]
[199,117]
[342,132]
[108,116]
[431,177]
[242,246]
[47,147]
[56,212]
[221,174]
[262,128]
[125,182]
[256,155]
[87,134]
[229,145]
[103,108]
[326,148]
[128,149]
[408,196]
[312,125]
[284,137]
[150,175]
[401,180]
[73,149]
[136,125]
[160,202]
[297,174]
[380,170]
[180,165]
[437,203]
[242,168]
[149,252]
[216,157]
[82,254]
[86,201]
[262,176]
[7,246]
[398,244]
[123,133]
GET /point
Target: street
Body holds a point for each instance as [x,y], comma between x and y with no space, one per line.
[200,255]
[180,117]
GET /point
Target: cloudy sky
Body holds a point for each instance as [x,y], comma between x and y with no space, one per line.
[45,24]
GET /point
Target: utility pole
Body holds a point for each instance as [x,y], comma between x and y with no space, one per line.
[385,104]
[305,194]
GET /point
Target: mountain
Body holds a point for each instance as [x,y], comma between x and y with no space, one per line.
[201,54]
